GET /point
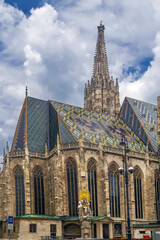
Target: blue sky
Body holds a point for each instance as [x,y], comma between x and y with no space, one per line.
[25,6]
[49,46]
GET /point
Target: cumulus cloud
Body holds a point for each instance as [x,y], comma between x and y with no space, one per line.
[146,87]
[51,51]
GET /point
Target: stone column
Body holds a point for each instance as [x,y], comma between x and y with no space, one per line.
[100,230]
[83,166]
[58,181]
[7,193]
[110,230]
[149,191]
[27,181]
[107,197]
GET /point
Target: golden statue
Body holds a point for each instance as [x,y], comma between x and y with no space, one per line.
[101,23]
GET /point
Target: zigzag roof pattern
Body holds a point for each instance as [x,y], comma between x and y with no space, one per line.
[40,122]
[93,127]
[141,117]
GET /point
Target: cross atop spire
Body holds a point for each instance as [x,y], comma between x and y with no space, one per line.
[26,92]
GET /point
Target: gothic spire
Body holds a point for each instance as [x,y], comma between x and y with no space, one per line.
[101,95]
[100,59]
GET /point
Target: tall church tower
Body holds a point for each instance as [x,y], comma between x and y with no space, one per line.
[100,94]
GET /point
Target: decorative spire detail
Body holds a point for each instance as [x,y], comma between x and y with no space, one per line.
[101,94]
[26,92]
[100,60]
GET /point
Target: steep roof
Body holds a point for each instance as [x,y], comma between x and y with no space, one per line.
[141,117]
[32,126]
[40,122]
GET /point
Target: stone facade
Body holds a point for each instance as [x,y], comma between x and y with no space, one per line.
[55,186]
[101,94]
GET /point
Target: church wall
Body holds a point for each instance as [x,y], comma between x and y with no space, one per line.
[55,182]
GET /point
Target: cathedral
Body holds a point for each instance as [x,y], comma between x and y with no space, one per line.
[58,150]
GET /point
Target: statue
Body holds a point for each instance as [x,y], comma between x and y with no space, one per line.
[85,214]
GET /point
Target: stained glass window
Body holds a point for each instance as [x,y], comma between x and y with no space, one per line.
[92,186]
[72,187]
[38,191]
[19,190]
[157,192]
[138,193]
[114,191]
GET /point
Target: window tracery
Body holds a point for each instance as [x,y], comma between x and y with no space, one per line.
[19,191]
[92,186]
[114,191]
[38,191]
[72,187]
[138,193]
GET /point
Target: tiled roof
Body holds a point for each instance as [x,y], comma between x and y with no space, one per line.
[32,126]
[37,120]
[142,118]
[20,134]
[40,122]
[93,126]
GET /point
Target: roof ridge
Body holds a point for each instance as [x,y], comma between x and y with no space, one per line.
[38,99]
[141,101]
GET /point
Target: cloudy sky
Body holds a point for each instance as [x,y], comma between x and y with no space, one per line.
[49,46]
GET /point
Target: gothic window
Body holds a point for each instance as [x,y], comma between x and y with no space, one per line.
[157,193]
[19,190]
[92,186]
[114,191]
[72,187]
[138,193]
[108,102]
[38,191]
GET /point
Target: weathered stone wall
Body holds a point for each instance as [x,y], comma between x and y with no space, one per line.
[55,181]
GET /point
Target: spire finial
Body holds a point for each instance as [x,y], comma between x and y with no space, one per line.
[26,92]
[101,23]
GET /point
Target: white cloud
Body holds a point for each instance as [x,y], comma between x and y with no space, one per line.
[147,87]
[51,51]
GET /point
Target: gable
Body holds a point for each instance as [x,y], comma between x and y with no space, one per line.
[141,117]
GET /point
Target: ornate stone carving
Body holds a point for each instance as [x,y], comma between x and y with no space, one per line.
[85,215]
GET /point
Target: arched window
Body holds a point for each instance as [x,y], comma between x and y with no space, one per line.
[38,191]
[19,190]
[72,187]
[157,193]
[92,186]
[114,193]
[138,193]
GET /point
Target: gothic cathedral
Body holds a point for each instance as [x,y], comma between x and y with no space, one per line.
[60,150]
